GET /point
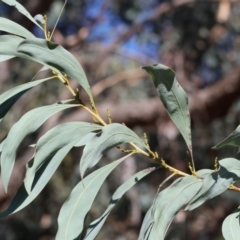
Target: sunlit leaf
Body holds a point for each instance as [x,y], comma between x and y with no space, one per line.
[96,226]
[76,207]
[231,226]
[21,9]
[39,19]
[9,26]
[8,47]
[1,146]
[55,57]
[5,57]
[146,224]
[170,202]
[84,140]
[148,232]
[233,139]
[42,177]
[217,182]
[209,179]
[173,98]
[149,217]
[29,123]
[54,140]
[204,172]
[110,136]
[44,68]
[8,98]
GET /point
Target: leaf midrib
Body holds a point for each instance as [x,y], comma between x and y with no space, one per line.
[166,82]
[75,205]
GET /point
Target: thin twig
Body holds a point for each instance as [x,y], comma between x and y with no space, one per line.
[58,20]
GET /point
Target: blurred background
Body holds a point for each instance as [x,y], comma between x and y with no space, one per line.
[112,39]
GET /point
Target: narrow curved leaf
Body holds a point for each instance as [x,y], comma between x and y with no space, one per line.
[76,207]
[149,217]
[148,232]
[1,146]
[146,224]
[233,139]
[29,123]
[228,174]
[42,177]
[173,98]
[21,9]
[170,202]
[9,26]
[217,182]
[5,57]
[44,68]
[204,172]
[8,98]
[110,136]
[55,57]
[85,140]
[54,140]
[208,181]
[8,47]
[231,226]
[96,226]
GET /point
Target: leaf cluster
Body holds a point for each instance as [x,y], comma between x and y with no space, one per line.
[186,193]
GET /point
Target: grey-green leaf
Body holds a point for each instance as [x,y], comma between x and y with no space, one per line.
[42,177]
[84,140]
[146,224]
[8,98]
[39,19]
[9,26]
[5,57]
[110,136]
[29,123]
[76,207]
[204,172]
[149,217]
[55,57]
[170,202]
[233,139]
[22,10]
[217,182]
[208,181]
[96,226]
[54,140]
[231,226]
[1,146]
[8,47]
[173,98]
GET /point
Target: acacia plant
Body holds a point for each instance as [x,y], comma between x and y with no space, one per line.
[186,193]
